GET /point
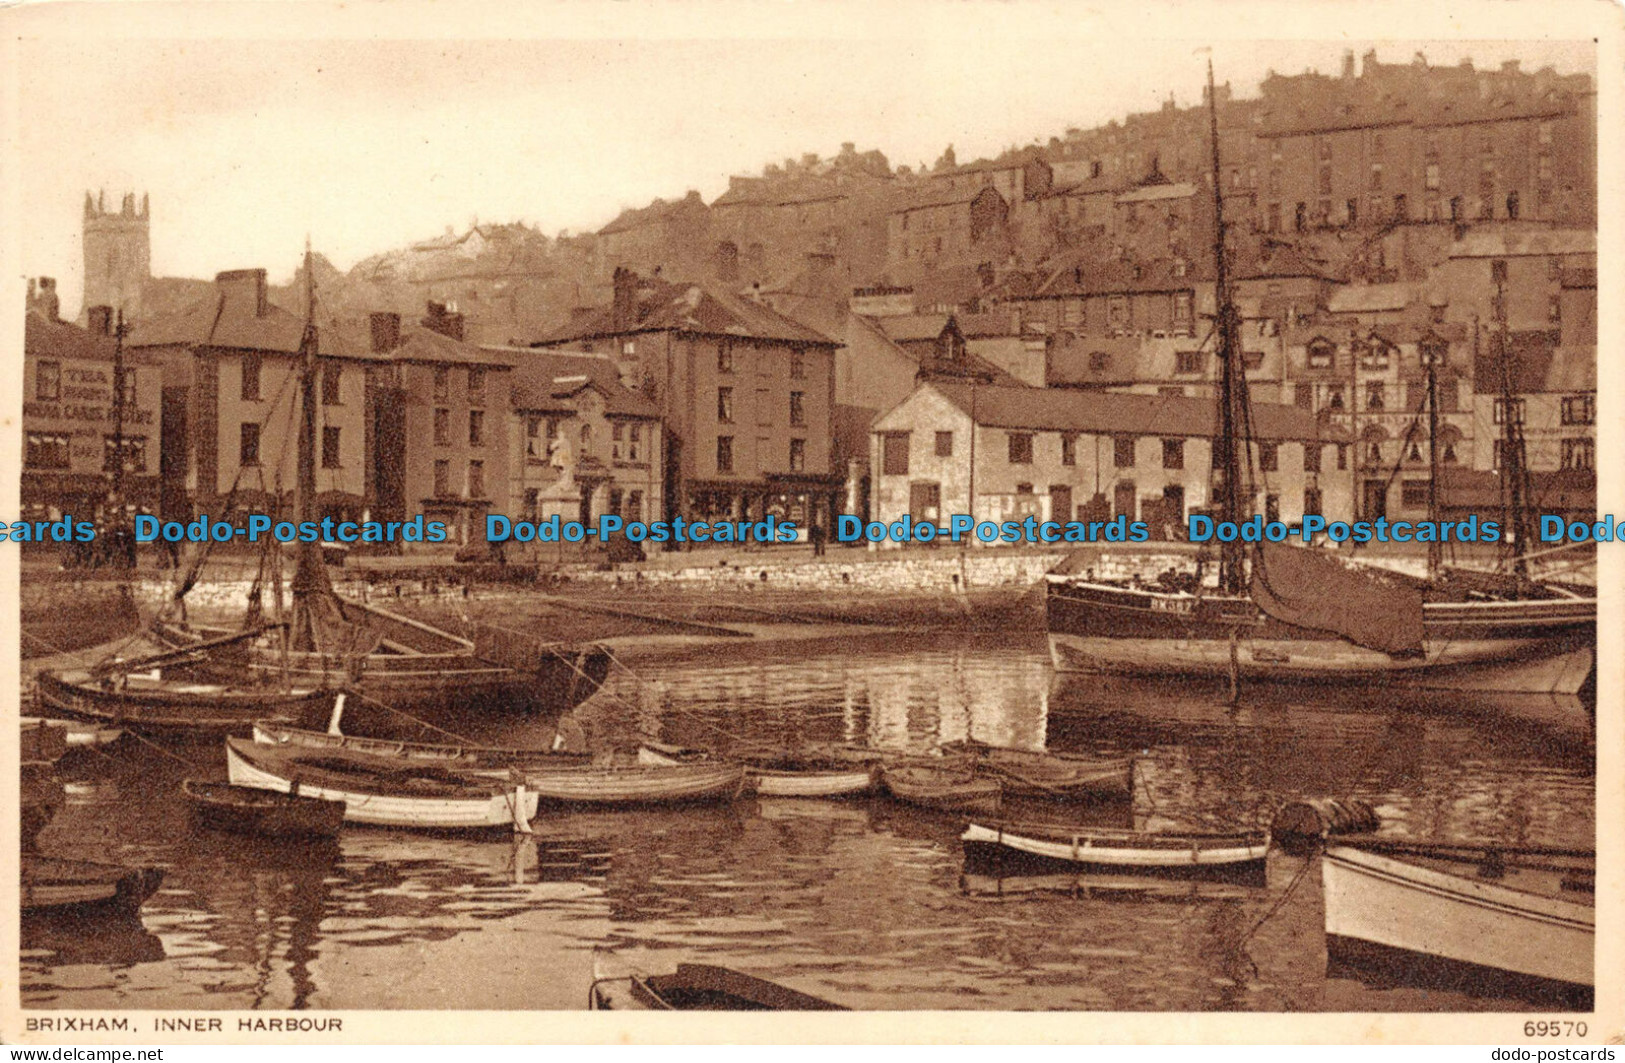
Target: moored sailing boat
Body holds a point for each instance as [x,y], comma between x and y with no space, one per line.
[1298,613]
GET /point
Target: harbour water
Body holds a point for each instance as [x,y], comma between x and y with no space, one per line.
[863,902]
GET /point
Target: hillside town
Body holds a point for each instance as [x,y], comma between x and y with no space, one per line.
[1026,335]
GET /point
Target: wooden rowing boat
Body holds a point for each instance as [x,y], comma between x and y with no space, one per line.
[250,810]
[953,788]
[52,885]
[380,791]
[782,775]
[77,734]
[144,703]
[701,987]
[1124,850]
[636,784]
[1057,776]
[1460,914]
[269,732]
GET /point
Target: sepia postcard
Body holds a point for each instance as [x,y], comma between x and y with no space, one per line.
[519,520]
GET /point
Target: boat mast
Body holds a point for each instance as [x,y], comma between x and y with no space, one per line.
[1232,413]
[1514,471]
[308,578]
[1430,361]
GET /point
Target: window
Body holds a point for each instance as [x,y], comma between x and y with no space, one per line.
[1351,209]
[945,445]
[1173,453]
[330,448]
[1375,396]
[1320,354]
[251,377]
[1099,361]
[442,427]
[1020,448]
[1183,317]
[1117,315]
[1311,458]
[894,459]
[476,479]
[47,381]
[629,348]
[248,444]
[1123,452]
[1334,397]
[725,453]
[1252,360]
[134,456]
[1272,219]
[1543,133]
[1187,361]
[1512,205]
[1072,313]
[535,441]
[1430,179]
[798,410]
[1323,212]
[476,428]
[1501,411]
[634,443]
[725,357]
[798,455]
[1325,186]
[1579,409]
[1269,457]
[1579,454]
[49,450]
[332,378]
[476,386]
[1342,456]
[1275,182]
[634,506]
[1374,355]
[1069,449]
[1300,217]
[1554,309]
[1323,147]
[442,478]
[1402,210]
[1376,177]
[725,405]
[798,364]
[1413,494]
[1455,209]
[442,384]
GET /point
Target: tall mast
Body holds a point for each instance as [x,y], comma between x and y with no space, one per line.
[1514,484]
[1231,389]
[1430,360]
[306,486]
[119,330]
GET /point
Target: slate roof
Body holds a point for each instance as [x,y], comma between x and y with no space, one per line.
[700,309]
[545,381]
[1491,243]
[60,339]
[1066,410]
[1089,276]
[1370,298]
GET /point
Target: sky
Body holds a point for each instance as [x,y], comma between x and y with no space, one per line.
[250,127]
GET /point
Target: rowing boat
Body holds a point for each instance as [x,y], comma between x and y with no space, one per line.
[53,885]
[949,788]
[701,987]
[40,743]
[782,775]
[1462,914]
[380,791]
[146,703]
[269,732]
[1060,776]
[1120,850]
[250,810]
[636,784]
[77,734]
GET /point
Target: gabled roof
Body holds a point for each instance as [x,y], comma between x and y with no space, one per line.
[700,308]
[1281,262]
[907,328]
[1091,276]
[934,197]
[59,339]
[545,381]
[426,345]
[1066,410]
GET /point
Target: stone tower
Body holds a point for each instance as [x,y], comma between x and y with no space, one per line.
[118,254]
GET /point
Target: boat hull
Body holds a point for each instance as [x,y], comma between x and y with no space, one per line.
[931,788]
[260,811]
[1128,851]
[768,783]
[1532,647]
[280,735]
[474,811]
[53,886]
[1377,906]
[175,706]
[641,785]
[701,987]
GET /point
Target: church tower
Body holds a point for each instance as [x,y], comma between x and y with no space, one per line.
[118,254]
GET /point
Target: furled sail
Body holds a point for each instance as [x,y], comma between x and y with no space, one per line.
[1311,588]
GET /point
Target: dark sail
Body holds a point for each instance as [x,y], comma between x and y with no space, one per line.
[1310,588]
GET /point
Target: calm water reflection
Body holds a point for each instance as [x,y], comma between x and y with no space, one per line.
[863,902]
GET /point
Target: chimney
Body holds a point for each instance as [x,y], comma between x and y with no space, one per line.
[1509,67]
[386,331]
[1348,62]
[101,320]
[442,319]
[623,313]
[43,300]
[1368,63]
[242,286]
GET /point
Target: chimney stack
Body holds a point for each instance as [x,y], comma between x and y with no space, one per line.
[243,285]
[623,312]
[100,320]
[43,300]
[386,331]
[442,319]
[1348,62]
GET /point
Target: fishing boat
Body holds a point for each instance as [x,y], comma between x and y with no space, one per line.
[52,885]
[700,987]
[783,775]
[1284,612]
[1057,776]
[175,704]
[636,784]
[77,734]
[318,639]
[1125,850]
[381,791]
[949,788]
[269,732]
[1461,914]
[251,810]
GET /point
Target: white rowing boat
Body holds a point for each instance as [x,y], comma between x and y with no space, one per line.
[1105,847]
[1408,904]
[380,791]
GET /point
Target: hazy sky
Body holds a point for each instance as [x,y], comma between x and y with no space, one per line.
[246,144]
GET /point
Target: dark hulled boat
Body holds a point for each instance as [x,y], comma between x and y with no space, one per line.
[257,811]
